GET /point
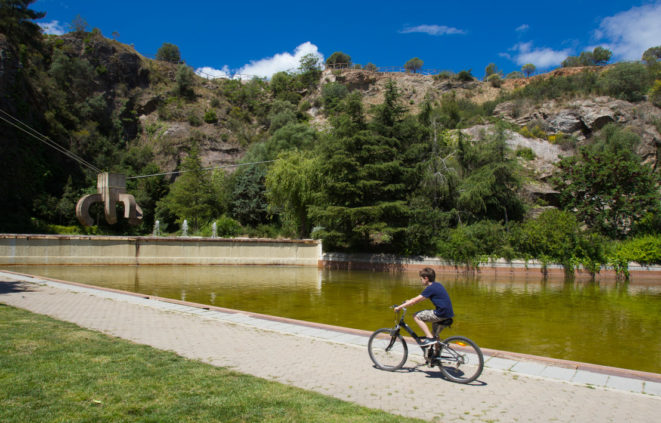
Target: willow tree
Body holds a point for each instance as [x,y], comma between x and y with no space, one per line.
[290,186]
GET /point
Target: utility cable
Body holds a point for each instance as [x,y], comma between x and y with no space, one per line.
[22,126]
[175,172]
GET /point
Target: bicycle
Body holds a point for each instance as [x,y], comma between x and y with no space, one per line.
[459,359]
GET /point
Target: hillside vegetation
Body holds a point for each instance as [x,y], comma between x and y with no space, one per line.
[560,166]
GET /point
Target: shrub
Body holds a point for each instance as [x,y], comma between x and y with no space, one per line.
[226,226]
[465,76]
[185,78]
[443,75]
[558,87]
[210,116]
[168,53]
[645,250]
[655,93]
[495,80]
[550,237]
[525,153]
[514,75]
[332,93]
[469,244]
[627,81]
[194,119]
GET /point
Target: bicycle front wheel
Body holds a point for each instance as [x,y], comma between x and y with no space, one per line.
[461,359]
[388,352]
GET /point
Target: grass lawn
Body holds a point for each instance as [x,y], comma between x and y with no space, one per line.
[53,371]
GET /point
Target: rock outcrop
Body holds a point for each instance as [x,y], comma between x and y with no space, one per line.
[582,118]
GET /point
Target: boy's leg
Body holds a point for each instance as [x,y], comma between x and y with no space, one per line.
[417,317]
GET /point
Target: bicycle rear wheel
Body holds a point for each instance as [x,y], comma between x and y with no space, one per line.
[461,359]
[388,352]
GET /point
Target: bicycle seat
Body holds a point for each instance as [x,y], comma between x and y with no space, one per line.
[446,322]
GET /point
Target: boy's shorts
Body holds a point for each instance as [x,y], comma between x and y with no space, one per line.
[430,316]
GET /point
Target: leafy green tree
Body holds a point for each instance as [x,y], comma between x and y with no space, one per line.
[310,70]
[492,69]
[281,114]
[586,58]
[191,196]
[332,94]
[607,186]
[601,56]
[371,67]
[413,65]
[528,69]
[597,57]
[571,62]
[168,53]
[248,202]
[652,55]
[283,87]
[489,180]
[293,136]
[16,22]
[339,59]
[290,185]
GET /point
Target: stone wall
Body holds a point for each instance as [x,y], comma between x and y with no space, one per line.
[115,250]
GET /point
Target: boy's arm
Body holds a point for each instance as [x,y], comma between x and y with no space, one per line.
[410,302]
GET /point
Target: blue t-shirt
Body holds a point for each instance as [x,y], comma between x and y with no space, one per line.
[439,296]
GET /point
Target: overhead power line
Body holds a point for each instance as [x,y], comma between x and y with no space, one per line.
[22,126]
[175,172]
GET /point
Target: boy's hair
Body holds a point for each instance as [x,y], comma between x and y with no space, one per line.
[429,273]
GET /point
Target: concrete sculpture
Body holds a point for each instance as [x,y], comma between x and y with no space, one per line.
[111,189]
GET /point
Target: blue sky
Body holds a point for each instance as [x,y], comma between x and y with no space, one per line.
[261,38]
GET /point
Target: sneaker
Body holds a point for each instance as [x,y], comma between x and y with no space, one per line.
[427,342]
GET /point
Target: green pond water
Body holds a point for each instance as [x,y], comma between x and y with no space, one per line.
[608,323]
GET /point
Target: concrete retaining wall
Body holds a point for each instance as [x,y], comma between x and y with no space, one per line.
[116,250]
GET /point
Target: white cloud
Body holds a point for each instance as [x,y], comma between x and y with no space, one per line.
[264,68]
[542,58]
[630,33]
[211,73]
[52,28]
[281,62]
[522,28]
[433,30]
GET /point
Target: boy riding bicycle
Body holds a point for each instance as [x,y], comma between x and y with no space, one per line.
[441,316]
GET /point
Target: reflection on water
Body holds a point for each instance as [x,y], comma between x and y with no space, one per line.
[604,323]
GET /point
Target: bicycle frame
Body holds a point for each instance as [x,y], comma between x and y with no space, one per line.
[402,324]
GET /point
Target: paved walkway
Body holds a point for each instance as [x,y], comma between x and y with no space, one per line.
[334,361]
